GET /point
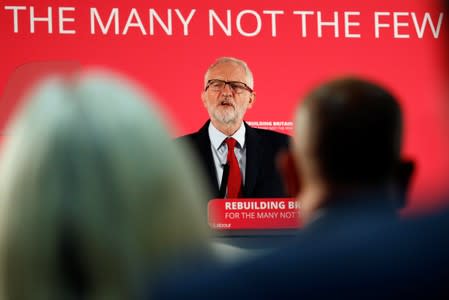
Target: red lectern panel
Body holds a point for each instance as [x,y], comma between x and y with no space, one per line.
[254,214]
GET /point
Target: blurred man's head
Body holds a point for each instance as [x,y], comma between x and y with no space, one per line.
[349,133]
[347,141]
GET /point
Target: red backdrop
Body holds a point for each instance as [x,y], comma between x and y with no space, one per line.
[290,45]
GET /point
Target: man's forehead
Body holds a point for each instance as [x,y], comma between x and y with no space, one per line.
[227,69]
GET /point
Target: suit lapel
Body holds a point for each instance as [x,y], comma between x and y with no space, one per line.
[254,154]
[204,147]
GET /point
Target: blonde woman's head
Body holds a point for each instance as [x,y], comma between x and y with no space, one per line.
[92,192]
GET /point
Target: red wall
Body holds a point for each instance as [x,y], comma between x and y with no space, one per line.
[287,58]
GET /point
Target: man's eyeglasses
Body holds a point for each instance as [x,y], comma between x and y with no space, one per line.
[218,85]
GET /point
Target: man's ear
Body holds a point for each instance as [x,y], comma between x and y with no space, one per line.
[252,99]
[404,172]
[288,168]
[203,97]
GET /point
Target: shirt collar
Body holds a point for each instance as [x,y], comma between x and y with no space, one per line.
[217,137]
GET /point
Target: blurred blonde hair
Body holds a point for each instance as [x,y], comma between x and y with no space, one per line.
[93,193]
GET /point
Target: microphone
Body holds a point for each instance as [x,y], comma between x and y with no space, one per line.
[224,180]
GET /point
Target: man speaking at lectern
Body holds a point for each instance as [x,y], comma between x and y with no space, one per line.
[248,170]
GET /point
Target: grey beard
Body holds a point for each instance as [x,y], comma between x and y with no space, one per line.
[226,118]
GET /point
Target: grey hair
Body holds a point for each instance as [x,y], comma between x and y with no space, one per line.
[241,63]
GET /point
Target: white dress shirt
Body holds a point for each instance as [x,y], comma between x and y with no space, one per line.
[220,150]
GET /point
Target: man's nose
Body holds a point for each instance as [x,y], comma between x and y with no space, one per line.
[227,90]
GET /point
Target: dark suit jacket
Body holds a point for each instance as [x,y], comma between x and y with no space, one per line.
[262,179]
[376,258]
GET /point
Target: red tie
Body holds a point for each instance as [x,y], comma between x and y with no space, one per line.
[235,177]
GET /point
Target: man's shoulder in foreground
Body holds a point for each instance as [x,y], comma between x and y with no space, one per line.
[389,260]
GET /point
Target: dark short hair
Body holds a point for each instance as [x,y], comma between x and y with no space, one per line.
[356,131]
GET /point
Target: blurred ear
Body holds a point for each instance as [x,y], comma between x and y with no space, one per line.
[203,98]
[252,99]
[289,171]
[404,172]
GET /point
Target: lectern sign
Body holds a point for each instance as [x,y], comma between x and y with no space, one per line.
[246,213]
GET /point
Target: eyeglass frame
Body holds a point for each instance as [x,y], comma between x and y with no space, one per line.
[246,87]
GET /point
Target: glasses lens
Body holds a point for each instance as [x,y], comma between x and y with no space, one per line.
[216,85]
[238,87]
